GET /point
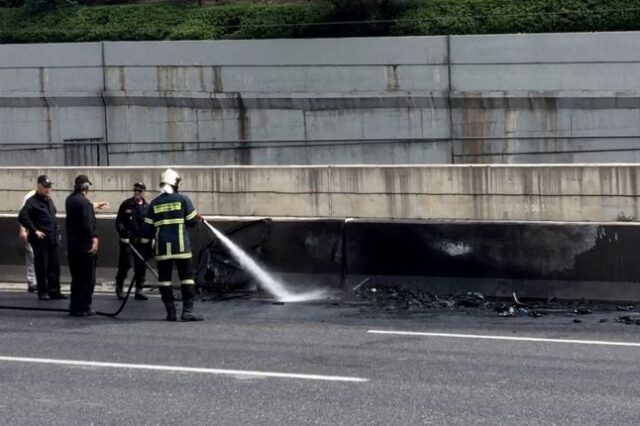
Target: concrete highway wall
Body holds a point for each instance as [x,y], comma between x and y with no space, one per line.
[539,230]
[539,98]
[570,260]
[586,192]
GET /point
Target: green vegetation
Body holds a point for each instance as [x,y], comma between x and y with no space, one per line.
[155,22]
[519,16]
[23,21]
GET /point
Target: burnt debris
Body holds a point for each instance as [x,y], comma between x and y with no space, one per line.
[409,298]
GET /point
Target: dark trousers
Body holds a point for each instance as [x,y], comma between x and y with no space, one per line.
[165,268]
[82,266]
[46,259]
[124,264]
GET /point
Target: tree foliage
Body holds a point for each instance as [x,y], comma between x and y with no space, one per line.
[61,20]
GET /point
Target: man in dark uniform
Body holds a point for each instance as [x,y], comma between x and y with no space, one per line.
[129,224]
[168,217]
[82,246]
[38,216]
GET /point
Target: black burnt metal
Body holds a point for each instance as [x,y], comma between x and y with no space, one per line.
[218,272]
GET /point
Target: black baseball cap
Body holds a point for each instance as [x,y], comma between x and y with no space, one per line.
[81,180]
[44,181]
[140,185]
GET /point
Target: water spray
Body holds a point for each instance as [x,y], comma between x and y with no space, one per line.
[269,283]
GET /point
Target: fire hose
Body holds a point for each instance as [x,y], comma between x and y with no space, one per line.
[104,314]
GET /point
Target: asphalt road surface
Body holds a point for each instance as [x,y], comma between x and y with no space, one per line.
[256,363]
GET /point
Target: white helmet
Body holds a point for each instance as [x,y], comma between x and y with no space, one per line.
[170,177]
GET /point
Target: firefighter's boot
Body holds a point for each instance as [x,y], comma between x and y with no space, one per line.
[169,303]
[188,294]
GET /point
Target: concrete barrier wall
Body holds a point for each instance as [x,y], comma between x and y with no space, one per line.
[279,90]
[592,261]
[569,98]
[49,94]
[535,98]
[307,251]
[249,102]
[572,261]
[479,192]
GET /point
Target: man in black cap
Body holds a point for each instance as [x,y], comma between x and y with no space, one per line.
[82,246]
[38,216]
[130,224]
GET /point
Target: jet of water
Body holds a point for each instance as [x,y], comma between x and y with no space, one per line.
[270,284]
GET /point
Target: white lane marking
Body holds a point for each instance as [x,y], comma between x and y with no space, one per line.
[509,338]
[179,369]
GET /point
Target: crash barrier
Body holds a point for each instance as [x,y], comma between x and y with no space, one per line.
[299,248]
[533,259]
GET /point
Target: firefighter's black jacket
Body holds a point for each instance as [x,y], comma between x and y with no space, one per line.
[130,219]
[167,218]
[39,214]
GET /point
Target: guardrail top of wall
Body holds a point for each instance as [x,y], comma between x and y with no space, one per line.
[279,52]
[546,48]
[51,55]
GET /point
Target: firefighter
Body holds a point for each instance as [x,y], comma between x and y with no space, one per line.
[168,217]
[38,217]
[130,224]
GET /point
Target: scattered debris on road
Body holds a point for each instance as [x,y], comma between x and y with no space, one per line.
[407,298]
[629,319]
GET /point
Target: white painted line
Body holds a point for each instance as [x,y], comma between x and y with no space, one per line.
[508,338]
[179,369]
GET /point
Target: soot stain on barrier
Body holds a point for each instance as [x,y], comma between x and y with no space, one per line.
[537,250]
[321,244]
[305,246]
[512,251]
[541,249]
[615,250]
